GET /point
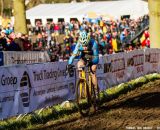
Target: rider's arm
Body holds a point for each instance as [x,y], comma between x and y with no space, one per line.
[95,49]
[75,53]
[102,43]
[81,48]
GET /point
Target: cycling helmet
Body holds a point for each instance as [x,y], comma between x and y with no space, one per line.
[83,38]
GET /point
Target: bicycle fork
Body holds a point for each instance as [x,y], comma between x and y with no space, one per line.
[90,84]
[83,91]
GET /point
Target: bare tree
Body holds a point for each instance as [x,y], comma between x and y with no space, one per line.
[2,7]
[20,16]
[154,26]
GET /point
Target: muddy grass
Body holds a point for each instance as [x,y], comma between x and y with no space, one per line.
[136,110]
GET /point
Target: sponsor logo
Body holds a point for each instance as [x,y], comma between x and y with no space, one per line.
[21,60]
[8,80]
[115,65]
[138,59]
[25,89]
[48,74]
[130,62]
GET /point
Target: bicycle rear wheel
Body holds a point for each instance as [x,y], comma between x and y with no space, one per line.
[95,97]
[83,97]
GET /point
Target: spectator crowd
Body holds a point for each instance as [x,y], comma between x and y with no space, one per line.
[59,39]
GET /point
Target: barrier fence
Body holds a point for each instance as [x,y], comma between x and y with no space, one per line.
[23,57]
[25,88]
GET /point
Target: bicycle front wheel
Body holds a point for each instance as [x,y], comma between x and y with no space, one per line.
[83,97]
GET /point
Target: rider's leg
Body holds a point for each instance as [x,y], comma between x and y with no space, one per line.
[95,83]
[80,64]
[94,77]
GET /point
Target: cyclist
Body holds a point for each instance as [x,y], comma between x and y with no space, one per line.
[86,48]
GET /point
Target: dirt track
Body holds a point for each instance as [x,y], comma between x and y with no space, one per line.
[139,109]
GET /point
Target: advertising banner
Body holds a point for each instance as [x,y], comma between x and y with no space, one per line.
[118,68]
[135,63]
[25,88]
[50,84]
[24,57]
[10,86]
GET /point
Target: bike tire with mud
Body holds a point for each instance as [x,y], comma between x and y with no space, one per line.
[95,97]
[83,101]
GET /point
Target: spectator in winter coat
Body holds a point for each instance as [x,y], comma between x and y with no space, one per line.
[12,46]
[26,43]
[18,40]
[3,41]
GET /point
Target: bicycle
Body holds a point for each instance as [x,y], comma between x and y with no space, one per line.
[86,94]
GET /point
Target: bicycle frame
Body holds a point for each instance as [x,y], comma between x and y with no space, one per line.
[83,77]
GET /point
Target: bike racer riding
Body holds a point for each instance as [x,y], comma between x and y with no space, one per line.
[86,48]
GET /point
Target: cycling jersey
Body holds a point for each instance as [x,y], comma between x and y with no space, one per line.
[92,51]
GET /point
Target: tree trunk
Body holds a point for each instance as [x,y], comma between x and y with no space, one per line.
[154,26]
[20,16]
[2,7]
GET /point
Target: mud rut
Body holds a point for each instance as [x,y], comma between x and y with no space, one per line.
[138,109]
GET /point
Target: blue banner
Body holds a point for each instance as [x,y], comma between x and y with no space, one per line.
[1,58]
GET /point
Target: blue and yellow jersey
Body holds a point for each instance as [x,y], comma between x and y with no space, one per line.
[79,51]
